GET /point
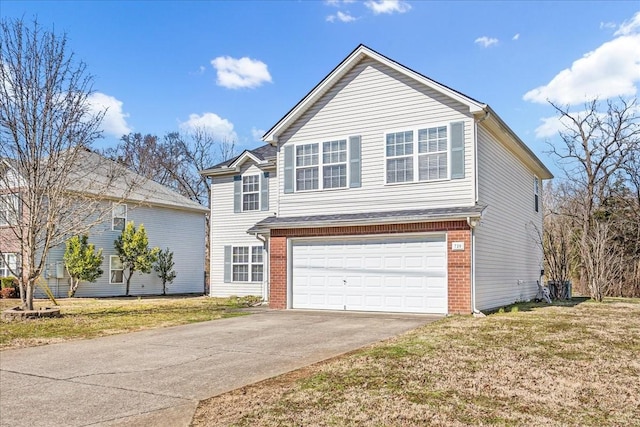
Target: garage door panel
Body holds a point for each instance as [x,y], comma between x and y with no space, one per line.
[398,274]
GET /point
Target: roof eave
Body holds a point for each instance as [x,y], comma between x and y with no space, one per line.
[271,136]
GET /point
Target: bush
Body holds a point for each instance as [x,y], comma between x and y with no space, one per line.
[8,293]
[8,282]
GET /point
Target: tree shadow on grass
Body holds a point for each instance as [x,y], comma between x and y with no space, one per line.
[532,305]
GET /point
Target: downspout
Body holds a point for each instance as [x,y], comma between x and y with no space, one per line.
[265,274]
[472,225]
[475,150]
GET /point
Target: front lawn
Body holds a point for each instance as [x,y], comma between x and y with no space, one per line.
[568,364]
[93,317]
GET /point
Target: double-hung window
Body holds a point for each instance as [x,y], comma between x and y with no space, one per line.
[8,265]
[9,206]
[317,170]
[423,154]
[307,169]
[118,217]
[116,270]
[399,149]
[251,193]
[247,264]
[432,153]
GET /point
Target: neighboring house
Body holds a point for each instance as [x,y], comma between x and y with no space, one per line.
[171,220]
[381,190]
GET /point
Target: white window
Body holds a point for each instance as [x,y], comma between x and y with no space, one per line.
[247,264]
[116,270]
[536,193]
[118,217]
[307,160]
[315,171]
[432,153]
[430,159]
[251,193]
[9,209]
[334,161]
[8,265]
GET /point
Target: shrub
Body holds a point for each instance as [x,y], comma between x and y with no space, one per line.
[7,293]
[8,282]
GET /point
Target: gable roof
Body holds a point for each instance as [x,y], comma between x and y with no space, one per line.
[93,174]
[260,155]
[482,110]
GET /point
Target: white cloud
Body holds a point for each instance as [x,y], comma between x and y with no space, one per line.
[342,17]
[338,3]
[221,129]
[551,126]
[516,36]
[114,121]
[240,73]
[485,41]
[387,6]
[607,25]
[629,27]
[257,134]
[611,70]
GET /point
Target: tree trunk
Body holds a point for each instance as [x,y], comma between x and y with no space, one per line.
[73,287]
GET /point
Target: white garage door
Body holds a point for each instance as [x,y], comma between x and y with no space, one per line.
[371,274]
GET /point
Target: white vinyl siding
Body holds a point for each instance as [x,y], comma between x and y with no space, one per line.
[230,229]
[508,257]
[372,100]
[185,238]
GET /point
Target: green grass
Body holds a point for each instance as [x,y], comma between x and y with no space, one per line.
[574,363]
[93,317]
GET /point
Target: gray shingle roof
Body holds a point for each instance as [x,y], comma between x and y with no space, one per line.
[403,216]
[263,152]
[98,175]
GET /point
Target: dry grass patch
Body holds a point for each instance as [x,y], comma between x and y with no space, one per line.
[93,317]
[554,365]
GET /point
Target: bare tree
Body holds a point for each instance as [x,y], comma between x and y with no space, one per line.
[597,145]
[46,129]
[602,261]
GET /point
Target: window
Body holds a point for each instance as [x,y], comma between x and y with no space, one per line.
[118,217]
[251,193]
[430,159]
[432,153]
[247,264]
[536,193]
[307,167]
[334,160]
[8,264]
[9,209]
[116,270]
[399,157]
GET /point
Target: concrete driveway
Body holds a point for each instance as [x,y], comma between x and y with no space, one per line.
[157,377]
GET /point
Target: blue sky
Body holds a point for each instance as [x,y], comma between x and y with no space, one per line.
[238,67]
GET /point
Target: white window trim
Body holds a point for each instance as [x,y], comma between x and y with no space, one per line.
[12,212]
[249,264]
[321,165]
[5,262]
[114,269]
[242,192]
[113,214]
[415,155]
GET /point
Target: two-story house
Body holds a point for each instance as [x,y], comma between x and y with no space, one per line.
[170,220]
[381,190]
